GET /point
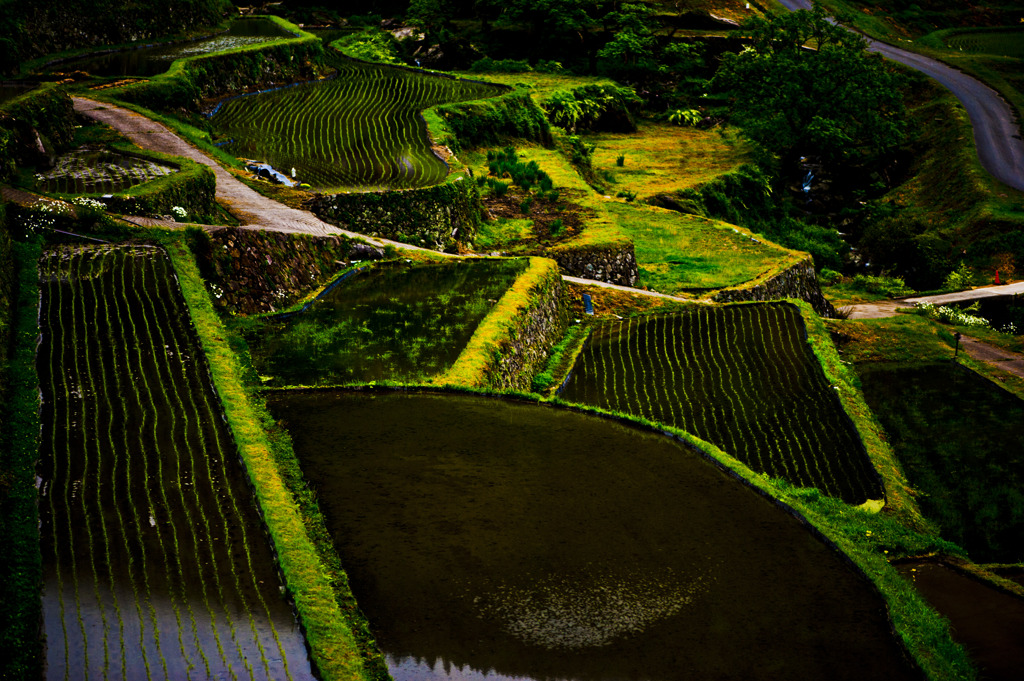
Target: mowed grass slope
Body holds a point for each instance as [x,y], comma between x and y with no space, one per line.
[675,252]
[360,130]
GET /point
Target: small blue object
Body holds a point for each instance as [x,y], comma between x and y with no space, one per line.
[588,304]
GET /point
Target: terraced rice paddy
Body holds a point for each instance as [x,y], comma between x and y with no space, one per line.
[155,59]
[488,539]
[960,440]
[392,322]
[99,172]
[1008,43]
[155,565]
[741,377]
[360,130]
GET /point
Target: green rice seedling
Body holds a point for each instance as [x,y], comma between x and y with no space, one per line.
[361,129]
[741,377]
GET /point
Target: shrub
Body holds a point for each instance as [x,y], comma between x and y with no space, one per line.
[892,287]
[829,277]
[487,64]
[620,160]
[959,279]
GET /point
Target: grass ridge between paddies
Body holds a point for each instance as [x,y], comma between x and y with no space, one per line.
[334,650]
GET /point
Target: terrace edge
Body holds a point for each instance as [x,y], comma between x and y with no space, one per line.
[329,632]
[512,342]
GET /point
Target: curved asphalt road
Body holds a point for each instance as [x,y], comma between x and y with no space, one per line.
[996,135]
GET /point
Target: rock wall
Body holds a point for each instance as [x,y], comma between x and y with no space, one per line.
[513,342]
[439,217]
[614,264]
[799,281]
[250,271]
[530,338]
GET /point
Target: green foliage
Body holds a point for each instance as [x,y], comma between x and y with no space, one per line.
[891,287]
[506,163]
[835,101]
[593,107]
[685,117]
[373,45]
[488,65]
[490,122]
[620,160]
[21,569]
[829,277]
[959,279]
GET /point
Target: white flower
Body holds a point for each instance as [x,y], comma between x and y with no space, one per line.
[179,212]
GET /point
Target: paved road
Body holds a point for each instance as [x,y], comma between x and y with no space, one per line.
[996,135]
[888,308]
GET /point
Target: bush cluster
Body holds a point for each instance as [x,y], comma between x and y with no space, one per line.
[526,175]
[892,287]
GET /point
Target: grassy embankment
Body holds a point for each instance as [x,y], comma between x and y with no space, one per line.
[331,632]
[479,361]
[21,569]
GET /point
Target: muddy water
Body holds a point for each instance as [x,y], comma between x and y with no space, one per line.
[988,622]
[492,539]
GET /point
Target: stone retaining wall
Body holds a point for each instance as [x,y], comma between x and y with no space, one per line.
[439,217]
[799,281]
[250,271]
[514,341]
[615,264]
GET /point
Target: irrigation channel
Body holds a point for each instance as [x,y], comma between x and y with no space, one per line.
[155,562]
[742,377]
[489,538]
[360,130]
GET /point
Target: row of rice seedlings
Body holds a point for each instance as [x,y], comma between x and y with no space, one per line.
[150,366]
[740,377]
[206,410]
[360,129]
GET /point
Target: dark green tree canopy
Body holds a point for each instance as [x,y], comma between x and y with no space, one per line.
[806,86]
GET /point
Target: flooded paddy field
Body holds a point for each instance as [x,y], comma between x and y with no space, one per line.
[988,622]
[960,440]
[151,60]
[486,538]
[393,321]
[741,377]
[360,130]
[91,171]
[155,564]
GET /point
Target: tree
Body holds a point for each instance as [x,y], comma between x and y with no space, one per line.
[806,86]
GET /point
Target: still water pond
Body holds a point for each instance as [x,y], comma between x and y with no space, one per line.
[494,539]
